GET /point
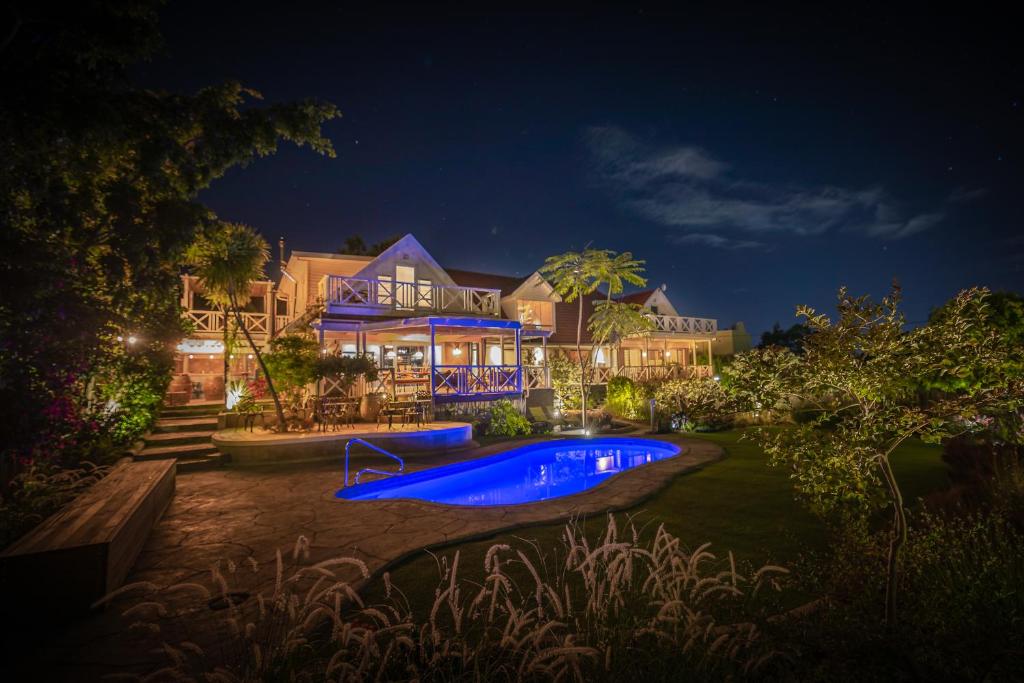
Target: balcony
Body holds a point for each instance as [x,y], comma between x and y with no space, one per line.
[385,297]
[209,322]
[683,325]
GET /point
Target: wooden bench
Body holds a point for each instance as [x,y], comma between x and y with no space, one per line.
[87,549]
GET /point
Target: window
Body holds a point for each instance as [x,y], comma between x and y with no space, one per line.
[282,307]
[536,313]
[654,309]
[405,286]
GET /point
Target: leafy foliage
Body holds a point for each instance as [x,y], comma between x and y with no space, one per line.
[861,374]
[791,339]
[506,420]
[355,245]
[228,258]
[576,275]
[565,381]
[98,197]
[692,404]
[627,399]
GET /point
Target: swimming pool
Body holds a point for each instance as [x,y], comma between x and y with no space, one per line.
[523,475]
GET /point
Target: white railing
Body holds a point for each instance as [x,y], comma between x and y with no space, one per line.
[642,373]
[282,321]
[536,377]
[213,321]
[687,325]
[340,291]
[472,380]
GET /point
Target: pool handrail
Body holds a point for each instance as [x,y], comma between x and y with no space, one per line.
[401,463]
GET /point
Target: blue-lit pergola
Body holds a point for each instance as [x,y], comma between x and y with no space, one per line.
[452,372]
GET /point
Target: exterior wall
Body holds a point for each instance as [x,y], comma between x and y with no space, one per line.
[732,341]
[406,252]
[308,268]
[660,301]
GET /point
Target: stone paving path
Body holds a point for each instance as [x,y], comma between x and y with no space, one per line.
[253,512]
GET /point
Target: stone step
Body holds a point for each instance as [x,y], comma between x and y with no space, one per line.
[206,462]
[178,438]
[186,411]
[185,424]
[183,451]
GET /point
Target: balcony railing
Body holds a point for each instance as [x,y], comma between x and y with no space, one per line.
[642,373]
[536,377]
[475,380]
[213,321]
[683,324]
[368,294]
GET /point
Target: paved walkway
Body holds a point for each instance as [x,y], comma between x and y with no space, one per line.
[253,512]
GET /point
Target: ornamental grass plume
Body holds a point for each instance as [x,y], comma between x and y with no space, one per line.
[623,605]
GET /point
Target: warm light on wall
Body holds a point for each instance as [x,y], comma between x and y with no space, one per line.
[457,351]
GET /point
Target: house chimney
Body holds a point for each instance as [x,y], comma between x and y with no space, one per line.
[280,246]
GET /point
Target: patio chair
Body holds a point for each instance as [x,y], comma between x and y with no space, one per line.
[539,421]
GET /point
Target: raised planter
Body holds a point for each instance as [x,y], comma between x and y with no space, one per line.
[261,446]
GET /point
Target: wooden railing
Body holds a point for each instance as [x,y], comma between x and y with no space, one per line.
[472,380]
[340,291]
[683,324]
[213,321]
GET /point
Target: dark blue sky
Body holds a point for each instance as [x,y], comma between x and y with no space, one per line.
[756,158]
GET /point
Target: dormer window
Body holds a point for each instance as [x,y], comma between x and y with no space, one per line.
[654,309]
[536,313]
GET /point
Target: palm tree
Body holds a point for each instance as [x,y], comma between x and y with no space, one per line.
[573,275]
[614,271]
[227,259]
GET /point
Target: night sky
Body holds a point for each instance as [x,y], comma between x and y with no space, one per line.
[756,158]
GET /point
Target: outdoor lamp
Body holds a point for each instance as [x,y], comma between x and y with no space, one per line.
[132,340]
[457,351]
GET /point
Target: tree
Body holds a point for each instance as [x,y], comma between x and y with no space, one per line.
[98,194]
[577,275]
[861,374]
[355,245]
[228,258]
[791,338]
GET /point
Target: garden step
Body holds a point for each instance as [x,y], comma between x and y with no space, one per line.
[206,462]
[182,451]
[185,424]
[186,411]
[178,438]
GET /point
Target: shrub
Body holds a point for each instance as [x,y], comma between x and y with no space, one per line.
[506,420]
[960,604]
[627,399]
[622,606]
[692,404]
[565,380]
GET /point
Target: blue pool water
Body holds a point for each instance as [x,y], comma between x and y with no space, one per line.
[524,475]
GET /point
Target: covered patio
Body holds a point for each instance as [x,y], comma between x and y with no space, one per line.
[448,359]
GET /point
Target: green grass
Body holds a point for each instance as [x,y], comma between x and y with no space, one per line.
[738,504]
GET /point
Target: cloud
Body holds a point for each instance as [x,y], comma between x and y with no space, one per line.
[962,195]
[712,240]
[687,188]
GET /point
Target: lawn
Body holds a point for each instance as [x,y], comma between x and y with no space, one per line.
[738,504]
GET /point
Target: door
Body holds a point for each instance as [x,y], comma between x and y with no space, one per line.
[405,286]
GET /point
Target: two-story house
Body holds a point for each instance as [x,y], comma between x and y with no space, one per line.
[454,335]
